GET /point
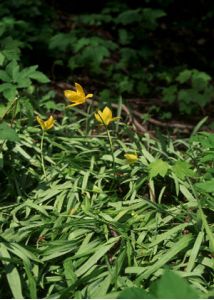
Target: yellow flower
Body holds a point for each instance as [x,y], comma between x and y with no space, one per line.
[105,117]
[48,124]
[77,97]
[131,158]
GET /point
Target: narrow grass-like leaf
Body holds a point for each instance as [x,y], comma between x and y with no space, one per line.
[167,235]
[69,273]
[97,255]
[31,282]
[12,274]
[172,252]
[194,252]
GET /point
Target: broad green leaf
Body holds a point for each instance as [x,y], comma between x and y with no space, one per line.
[4,76]
[135,293]
[169,93]
[13,70]
[129,16]
[8,133]
[39,76]
[158,167]
[207,186]
[184,76]
[6,86]
[170,285]
[182,169]
[10,94]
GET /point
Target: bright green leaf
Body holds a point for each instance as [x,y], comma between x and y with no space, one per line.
[173,286]
[207,186]
[158,167]
[182,169]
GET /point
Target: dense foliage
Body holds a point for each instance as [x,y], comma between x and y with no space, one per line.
[97,202]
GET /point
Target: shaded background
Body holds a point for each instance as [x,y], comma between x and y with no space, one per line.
[157,54]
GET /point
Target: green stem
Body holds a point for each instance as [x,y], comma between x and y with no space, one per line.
[111,147]
[42,156]
[87,119]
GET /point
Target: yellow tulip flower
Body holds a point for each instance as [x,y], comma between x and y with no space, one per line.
[131,158]
[77,97]
[105,117]
[48,124]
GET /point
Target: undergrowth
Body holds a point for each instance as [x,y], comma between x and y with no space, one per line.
[96,221]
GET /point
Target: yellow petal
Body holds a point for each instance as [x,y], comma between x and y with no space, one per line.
[75,104]
[49,123]
[41,122]
[80,90]
[73,96]
[98,116]
[131,157]
[69,93]
[89,96]
[107,115]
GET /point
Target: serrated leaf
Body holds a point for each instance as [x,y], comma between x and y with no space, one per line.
[129,16]
[182,169]
[12,70]
[184,76]
[5,86]
[10,93]
[8,133]
[158,167]
[4,76]
[39,76]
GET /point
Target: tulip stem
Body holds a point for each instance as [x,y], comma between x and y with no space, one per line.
[112,151]
[111,145]
[87,119]
[42,156]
